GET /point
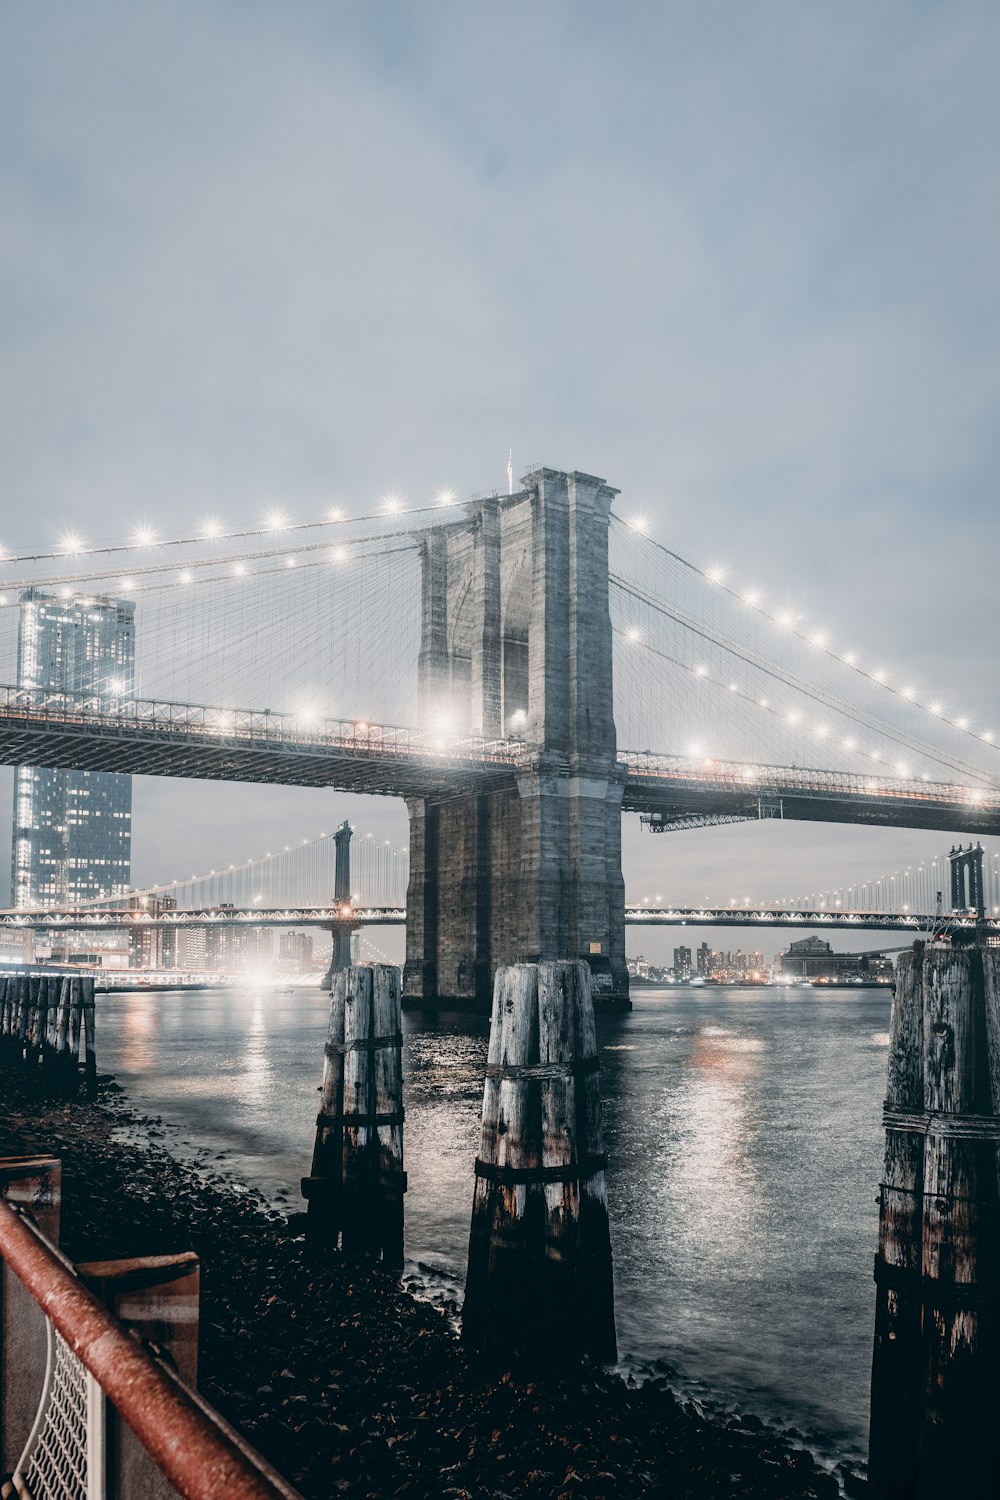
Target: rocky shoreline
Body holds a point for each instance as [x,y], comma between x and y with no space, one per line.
[350,1385]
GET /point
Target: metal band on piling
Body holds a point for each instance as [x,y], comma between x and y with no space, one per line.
[574,1171]
[574,1069]
[362,1044]
[946,1124]
[359,1117]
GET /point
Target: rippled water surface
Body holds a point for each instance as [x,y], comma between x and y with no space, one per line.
[743,1130]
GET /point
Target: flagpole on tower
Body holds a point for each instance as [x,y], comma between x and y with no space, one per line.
[510,472]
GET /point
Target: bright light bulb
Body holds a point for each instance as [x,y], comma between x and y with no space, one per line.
[879,674]
[694,748]
[239,570]
[337,554]
[211,527]
[144,536]
[185,575]
[445,497]
[70,543]
[819,637]
[128,585]
[335,513]
[752,597]
[786,618]
[908,691]
[701,671]
[640,524]
[733,688]
[392,505]
[276,520]
[987,735]
[793,716]
[716,574]
[633,634]
[65,592]
[289,562]
[821,731]
[849,658]
[963,722]
[849,743]
[934,708]
[763,703]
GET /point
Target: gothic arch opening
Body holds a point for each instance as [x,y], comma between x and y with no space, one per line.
[514,648]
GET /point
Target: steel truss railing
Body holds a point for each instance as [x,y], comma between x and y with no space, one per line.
[259,725]
[54,920]
[50,918]
[778,916]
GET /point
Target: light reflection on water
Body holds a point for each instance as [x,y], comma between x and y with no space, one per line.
[743,1130]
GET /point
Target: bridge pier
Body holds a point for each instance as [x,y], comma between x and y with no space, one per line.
[516,640]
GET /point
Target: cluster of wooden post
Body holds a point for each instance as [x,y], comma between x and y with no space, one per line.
[47,1029]
[540,1272]
[936,1366]
[356,1186]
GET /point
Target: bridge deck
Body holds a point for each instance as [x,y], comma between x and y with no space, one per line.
[149,738]
[53,919]
[678,789]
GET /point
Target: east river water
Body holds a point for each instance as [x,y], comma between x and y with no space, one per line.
[743,1129]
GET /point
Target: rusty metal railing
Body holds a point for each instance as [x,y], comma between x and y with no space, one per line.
[99,1385]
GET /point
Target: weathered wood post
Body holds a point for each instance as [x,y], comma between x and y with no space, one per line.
[540,1272]
[896,1376]
[8,989]
[89,1034]
[356,1186]
[936,1369]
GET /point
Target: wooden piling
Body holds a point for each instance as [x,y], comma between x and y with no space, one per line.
[355,1189]
[936,1368]
[90,1037]
[42,1021]
[540,1271]
[896,1378]
[7,992]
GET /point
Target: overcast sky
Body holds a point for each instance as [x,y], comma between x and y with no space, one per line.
[740,259]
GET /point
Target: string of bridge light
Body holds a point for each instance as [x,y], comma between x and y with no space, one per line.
[244,866]
[918,875]
[239,565]
[71,544]
[746,654]
[788,620]
[792,717]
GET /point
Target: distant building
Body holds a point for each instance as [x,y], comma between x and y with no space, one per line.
[152,947]
[295,950]
[705,956]
[230,946]
[191,948]
[813,958]
[682,963]
[72,830]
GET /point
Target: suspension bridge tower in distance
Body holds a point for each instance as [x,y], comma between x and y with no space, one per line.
[516,640]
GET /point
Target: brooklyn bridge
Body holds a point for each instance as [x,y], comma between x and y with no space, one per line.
[522,669]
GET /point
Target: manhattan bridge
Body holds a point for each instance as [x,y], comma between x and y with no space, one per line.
[522,669]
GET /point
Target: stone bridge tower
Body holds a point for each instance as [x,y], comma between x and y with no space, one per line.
[516,640]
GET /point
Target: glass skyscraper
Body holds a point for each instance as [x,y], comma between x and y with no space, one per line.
[72,829]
